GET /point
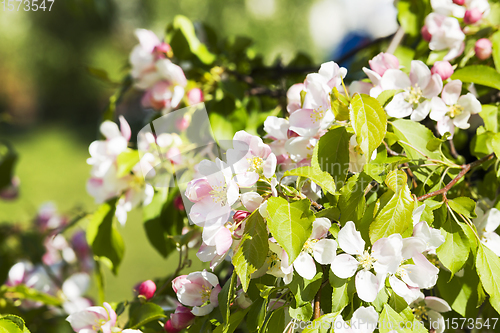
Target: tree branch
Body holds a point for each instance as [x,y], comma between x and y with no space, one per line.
[465,168]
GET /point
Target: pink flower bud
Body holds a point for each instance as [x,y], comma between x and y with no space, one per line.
[178,282]
[178,203]
[383,62]
[163,48]
[483,48]
[426,35]
[147,289]
[182,318]
[472,16]
[198,189]
[195,96]
[169,327]
[443,68]
[459,2]
[183,123]
[240,215]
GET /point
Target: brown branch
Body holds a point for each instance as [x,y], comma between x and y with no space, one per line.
[453,150]
[317,304]
[465,168]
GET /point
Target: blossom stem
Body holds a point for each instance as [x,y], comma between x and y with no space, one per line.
[465,169]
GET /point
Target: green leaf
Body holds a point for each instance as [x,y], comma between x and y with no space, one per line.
[6,320]
[390,320]
[183,33]
[495,39]
[322,178]
[488,269]
[253,249]
[23,292]
[396,215]
[369,122]
[478,74]
[8,326]
[340,105]
[103,236]
[126,161]
[411,16]
[276,321]
[144,314]
[234,321]
[453,253]
[323,324]
[386,96]
[8,159]
[491,117]
[256,315]
[495,142]
[223,128]
[331,154]
[352,203]
[396,180]
[343,291]
[305,290]
[303,312]
[290,224]
[225,298]
[463,205]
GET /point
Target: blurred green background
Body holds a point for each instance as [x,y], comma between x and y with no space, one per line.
[50,105]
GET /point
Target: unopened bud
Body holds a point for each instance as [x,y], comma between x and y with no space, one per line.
[483,48]
[195,96]
[382,62]
[472,16]
[240,215]
[426,35]
[459,2]
[147,289]
[443,69]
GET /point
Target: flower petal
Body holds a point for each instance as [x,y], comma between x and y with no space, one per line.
[324,251]
[344,266]
[350,239]
[367,285]
[304,265]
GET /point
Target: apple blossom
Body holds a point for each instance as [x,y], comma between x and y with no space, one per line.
[452,109]
[443,68]
[200,291]
[430,236]
[93,319]
[448,8]
[483,48]
[419,87]
[486,224]
[430,309]
[446,34]
[384,259]
[364,320]
[459,2]
[382,62]
[277,263]
[294,98]
[317,248]
[147,289]
[250,159]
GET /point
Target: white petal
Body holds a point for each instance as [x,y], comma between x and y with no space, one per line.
[367,285]
[401,289]
[492,241]
[388,252]
[438,109]
[437,321]
[365,319]
[451,92]
[350,239]
[304,265]
[344,266]
[437,304]
[201,311]
[413,246]
[492,220]
[395,79]
[470,103]
[324,251]
[398,107]
[320,227]
[421,111]
[420,74]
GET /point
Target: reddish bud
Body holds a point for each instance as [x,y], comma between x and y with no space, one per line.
[170,328]
[178,203]
[483,48]
[472,16]
[443,69]
[459,2]
[426,35]
[240,215]
[147,289]
[182,318]
[195,96]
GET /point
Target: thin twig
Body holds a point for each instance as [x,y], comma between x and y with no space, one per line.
[453,150]
[396,40]
[465,168]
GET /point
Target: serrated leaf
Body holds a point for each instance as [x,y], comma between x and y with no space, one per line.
[395,216]
[104,237]
[290,224]
[225,298]
[390,320]
[491,117]
[252,251]
[478,74]
[488,269]
[463,205]
[352,203]
[8,326]
[369,121]
[144,314]
[331,154]
[396,180]
[322,178]
[303,312]
[453,253]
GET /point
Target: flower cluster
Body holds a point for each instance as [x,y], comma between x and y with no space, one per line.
[69,261]
[421,93]
[443,30]
[154,72]
[106,182]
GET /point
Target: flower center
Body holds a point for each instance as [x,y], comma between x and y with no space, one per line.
[420,312]
[205,294]
[317,114]
[309,245]
[366,260]
[219,194]
[415,96]
[98,324]
[255,164]
[455,110]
